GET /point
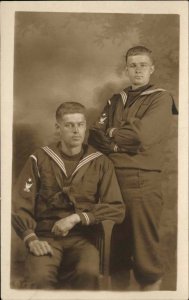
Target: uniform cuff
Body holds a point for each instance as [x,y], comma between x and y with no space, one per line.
[111,131]
[86,218]
[29,236]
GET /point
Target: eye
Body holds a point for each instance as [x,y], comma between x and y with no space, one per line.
[82,124]
[68,125]
[132,66]
[143,65]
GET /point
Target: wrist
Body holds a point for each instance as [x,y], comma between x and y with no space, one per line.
[29,236]
[76,218]
[30,243]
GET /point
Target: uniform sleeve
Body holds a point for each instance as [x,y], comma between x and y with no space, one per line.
[110,205]
[97,134]
[102,122]
[23,204]
[99,140]
[140,134]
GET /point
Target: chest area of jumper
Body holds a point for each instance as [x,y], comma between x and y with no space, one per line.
[83,184]
[123,113]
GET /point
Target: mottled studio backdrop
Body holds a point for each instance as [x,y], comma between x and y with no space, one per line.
[80,57]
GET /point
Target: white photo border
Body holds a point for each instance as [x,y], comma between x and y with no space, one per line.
[8,10]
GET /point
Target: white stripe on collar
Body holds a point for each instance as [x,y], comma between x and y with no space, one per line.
[56,158]
[86,159]
[61,164]
[124,97]
[152,91]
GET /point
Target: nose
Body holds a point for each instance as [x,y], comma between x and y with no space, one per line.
[138,69]
[76,129]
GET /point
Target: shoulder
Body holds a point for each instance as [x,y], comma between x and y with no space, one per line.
[39,152]
[105,165]
[157,95]
[40,155]
[117,96]
[99,157]
[156,91]
[114,99]
[165,99]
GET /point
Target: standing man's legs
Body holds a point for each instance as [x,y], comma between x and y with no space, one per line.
[121,254]
[141,191]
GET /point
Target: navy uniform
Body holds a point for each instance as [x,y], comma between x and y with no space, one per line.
[53,186]
[132,131]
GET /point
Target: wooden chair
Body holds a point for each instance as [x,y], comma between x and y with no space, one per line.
[104,246]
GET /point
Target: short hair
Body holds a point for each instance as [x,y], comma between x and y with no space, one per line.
[137,51]
[69,108]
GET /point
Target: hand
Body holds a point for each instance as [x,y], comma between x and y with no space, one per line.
[98,135]
[100,141]
[40,248]
[63,226]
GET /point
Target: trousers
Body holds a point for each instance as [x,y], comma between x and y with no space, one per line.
[73,265]
[136,241]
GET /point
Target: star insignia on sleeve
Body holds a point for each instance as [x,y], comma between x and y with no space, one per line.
[28,185]
[103,118]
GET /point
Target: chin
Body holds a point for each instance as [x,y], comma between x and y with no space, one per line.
[76,143]
[140,83]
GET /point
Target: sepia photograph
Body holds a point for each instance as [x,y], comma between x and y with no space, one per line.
[97,112]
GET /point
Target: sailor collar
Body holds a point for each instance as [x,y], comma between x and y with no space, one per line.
[53,152]
[124,93]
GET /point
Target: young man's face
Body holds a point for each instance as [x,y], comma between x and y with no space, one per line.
[139,69]
[72,129]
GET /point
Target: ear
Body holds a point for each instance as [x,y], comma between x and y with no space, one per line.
[57,126]
[126,70]
[152,69]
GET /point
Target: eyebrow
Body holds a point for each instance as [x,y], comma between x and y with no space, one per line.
[71,122]
[142,62]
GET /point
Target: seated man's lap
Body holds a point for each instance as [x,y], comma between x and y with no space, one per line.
[72,257]
[81,259]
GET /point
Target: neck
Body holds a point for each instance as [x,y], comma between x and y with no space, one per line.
[135,87]
[70,151]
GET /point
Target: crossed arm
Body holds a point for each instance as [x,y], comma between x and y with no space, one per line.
[137,134]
